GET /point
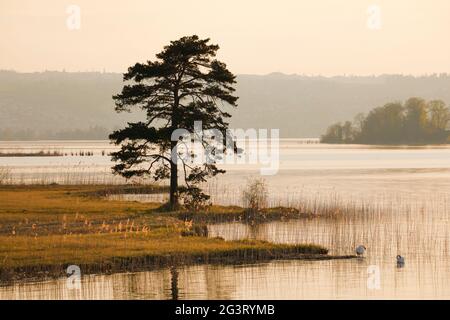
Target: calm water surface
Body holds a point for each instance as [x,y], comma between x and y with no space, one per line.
[407,191]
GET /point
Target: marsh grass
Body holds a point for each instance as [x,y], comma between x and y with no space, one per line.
[77,174]
[415,227]
[43,228]
[5,175]
[41,153]
[313,203]
[96,253]
[254,197]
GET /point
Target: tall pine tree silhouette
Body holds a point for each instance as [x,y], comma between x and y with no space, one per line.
[183,85]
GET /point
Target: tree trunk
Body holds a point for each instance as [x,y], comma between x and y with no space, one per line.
[174,155]
[173,178]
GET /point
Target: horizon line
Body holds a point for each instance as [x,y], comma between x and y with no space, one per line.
[274,73]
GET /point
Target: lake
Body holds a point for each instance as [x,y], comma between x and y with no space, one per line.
[402,197]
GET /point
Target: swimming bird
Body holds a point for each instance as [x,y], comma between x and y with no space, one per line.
[400,261]
[360,250]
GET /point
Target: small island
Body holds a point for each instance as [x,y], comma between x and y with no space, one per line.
[415,122]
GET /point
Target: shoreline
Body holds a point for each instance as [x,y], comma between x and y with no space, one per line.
[116,265]
[45,228]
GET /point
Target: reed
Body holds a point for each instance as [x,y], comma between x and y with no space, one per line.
[41,153]
[68,175]
[43,228]
[5,175]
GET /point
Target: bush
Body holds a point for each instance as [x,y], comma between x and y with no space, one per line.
[255,196]
[5,175]
[195,230]
[193,198]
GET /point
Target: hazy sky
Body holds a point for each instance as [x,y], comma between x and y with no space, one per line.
[325,37]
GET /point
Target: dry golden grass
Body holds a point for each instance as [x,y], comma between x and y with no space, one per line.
[58,225]
[100,248]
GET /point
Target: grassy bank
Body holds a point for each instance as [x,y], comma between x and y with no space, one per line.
[45,228]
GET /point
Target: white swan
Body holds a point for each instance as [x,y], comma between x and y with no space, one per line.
[360,250]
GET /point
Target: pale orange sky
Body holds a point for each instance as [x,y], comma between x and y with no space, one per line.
[327,37]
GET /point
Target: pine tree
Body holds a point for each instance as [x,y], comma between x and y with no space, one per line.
[183,85]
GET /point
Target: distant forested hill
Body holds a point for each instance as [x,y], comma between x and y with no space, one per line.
[50,102]
[79,105]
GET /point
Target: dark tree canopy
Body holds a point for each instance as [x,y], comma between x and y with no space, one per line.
[414,122]
[183,85]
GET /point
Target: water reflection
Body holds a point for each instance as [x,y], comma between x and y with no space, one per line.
[407,190]
[174,282]
[343,279]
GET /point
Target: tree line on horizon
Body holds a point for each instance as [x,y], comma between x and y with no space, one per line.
[416,121]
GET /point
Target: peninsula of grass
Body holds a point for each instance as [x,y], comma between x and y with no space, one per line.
[43,229]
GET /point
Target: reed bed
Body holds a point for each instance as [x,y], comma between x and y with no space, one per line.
[331,203]
[52,152]
[41,153]
[44,228]
[5,175]
[65,175]
[407,224]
